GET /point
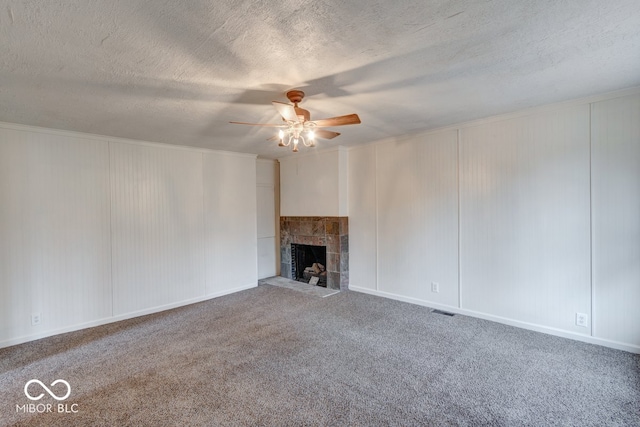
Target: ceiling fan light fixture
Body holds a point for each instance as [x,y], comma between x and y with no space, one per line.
[298,124]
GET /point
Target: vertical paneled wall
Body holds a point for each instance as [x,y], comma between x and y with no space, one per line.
[524,224]
[156,220]
[54,232]
[616,218]
[314,183]
[93,231]
[547,205]
[417,193]
[363,266]
[230,222]
[266,184]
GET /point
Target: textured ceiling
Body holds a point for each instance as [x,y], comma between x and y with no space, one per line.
[177,71]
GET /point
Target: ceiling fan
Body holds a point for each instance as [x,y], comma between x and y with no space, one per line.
[298,126]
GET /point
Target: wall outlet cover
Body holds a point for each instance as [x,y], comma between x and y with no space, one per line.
[582,319]
[36,319]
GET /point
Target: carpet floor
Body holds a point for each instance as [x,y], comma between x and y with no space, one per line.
[271,356]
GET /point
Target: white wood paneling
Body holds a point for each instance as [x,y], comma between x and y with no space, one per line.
[616,218]
[417,208]
[54,232]
[266,210]
[94,231]
[266,184]
[524,186]
[310,184]
[230,221]
[267,249]
[157,223]
[267,257]
[362,218]
[266,172]
[525,218]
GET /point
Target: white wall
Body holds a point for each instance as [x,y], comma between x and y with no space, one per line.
[94,230]
[156,223]
[616,219]
[267,176]
[230,222]
[314,183]
[417,211]
[363,220]
[524,218]
[55,242]
[507,203]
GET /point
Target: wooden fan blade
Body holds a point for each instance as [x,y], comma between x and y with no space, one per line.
[349,119]
[259,124]
[287,111]
[326,134]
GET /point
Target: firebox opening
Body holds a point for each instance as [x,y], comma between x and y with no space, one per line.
[308,261]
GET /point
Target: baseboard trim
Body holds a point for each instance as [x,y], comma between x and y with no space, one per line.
[117,318]
[506,321]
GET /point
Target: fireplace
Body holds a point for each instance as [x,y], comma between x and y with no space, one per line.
[332,233]
[308,261]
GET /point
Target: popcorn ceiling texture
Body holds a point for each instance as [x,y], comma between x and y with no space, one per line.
[177,72]
[271,356]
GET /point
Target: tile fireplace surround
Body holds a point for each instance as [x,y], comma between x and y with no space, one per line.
[332,232]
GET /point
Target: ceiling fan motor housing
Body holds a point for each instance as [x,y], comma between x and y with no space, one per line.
[295,96]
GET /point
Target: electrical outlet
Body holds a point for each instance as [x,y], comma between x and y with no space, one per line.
[582,319]
[435,287]
[35,319]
